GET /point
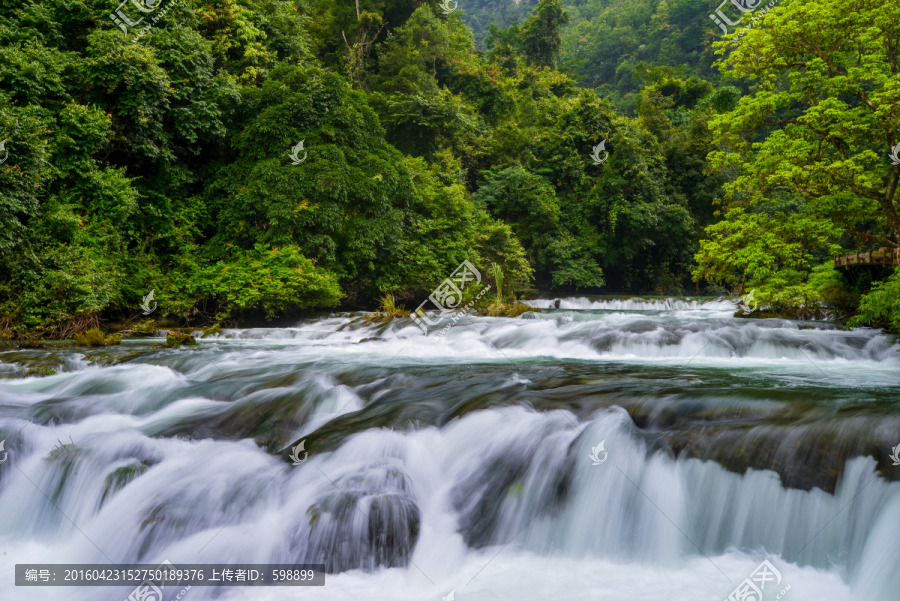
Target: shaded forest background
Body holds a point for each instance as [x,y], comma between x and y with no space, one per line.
[161,161]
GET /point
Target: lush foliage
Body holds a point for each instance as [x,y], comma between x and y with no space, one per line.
[160,162]
[881,307]
[615,44]
[242,158]
[808,152]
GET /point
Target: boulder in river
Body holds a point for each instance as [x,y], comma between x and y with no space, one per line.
[372,521]
[176,339]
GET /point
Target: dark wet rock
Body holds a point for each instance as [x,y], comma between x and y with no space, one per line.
[137,334]
[267,416]
[483,497]
[36,362]
[805,443]
[118,355]
[556,303]
[408,403]
[64,458]
[528,315]
[27,343]
[268,407]
[805,435]
[372,339]
[789,313]
[479,499]
[804,457]
[372,521]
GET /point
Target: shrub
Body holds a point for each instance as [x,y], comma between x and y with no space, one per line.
[517,309]
[388,311]
[881,307]
[176,339]
[94,337]
[273,279]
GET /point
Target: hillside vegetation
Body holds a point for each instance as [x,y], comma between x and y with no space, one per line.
[261,157]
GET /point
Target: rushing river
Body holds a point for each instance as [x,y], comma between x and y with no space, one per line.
[469,463]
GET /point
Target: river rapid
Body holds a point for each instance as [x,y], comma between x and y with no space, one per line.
[469,463]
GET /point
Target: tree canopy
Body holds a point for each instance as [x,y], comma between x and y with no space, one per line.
[246,158]
[810,147]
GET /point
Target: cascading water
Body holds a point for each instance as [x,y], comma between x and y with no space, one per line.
[471,463]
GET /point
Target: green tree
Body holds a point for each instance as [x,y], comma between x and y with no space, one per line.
[881,307]
[541,37]
[808,151]
[527,203]
[419,113]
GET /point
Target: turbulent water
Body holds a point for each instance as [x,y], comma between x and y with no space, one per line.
[464,463]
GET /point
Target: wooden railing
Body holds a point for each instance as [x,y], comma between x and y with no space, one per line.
[885,257]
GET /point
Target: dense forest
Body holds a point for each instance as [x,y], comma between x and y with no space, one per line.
[261,157]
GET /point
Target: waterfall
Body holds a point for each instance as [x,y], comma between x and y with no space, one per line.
[469,464]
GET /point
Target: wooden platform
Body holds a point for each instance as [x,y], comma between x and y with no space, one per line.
[885,257]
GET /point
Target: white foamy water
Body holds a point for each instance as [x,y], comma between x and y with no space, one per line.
[633,304]
[495,503]
[658,333]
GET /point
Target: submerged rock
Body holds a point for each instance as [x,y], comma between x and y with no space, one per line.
[119,478]
[37,362]
[800,441]
[372,521]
